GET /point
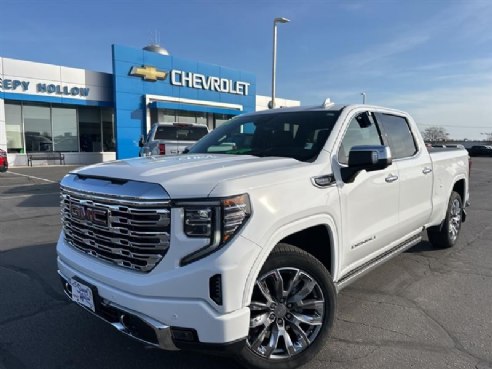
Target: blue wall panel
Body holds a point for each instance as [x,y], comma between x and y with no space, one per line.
[130,91]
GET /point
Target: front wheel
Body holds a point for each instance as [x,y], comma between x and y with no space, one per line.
[292,310]
[447,234]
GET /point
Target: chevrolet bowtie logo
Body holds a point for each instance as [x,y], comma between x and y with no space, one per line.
[148,73]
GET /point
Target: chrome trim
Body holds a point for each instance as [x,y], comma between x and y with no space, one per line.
[330,177]
[128,201]
[427,170]
[136,235]
[391,178]
[121,189]
[365,268]
[162,331]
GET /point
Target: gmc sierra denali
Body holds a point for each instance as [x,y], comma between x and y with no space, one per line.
[243,243]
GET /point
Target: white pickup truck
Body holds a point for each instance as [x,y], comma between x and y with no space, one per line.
[170,138]
[243,243]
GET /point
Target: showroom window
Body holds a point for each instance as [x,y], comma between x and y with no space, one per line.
[13,122]
[221,118]
[37,128]
[108,129]
[65,129]
[90,129]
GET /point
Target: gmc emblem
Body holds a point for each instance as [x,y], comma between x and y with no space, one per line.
[90,215]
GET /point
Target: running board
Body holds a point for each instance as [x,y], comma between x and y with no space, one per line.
[373,263]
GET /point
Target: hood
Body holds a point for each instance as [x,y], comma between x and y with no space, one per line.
[192,175]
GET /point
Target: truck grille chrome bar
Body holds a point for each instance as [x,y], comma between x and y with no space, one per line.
[130,234]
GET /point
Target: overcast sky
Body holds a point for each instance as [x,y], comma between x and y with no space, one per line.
[432,58]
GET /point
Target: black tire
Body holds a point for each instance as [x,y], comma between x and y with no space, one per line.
[308,274]
[446,235]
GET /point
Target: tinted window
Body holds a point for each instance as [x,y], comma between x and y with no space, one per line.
[180,133]
[362,130]
[400,138]
[298,135]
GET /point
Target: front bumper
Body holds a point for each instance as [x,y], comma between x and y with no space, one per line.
[129,322]
[168,299]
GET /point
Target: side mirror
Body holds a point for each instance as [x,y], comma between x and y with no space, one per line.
[186,150]
[368,158]
[141,142]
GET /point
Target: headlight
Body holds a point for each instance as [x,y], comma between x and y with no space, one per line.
[217,220]
[198,222]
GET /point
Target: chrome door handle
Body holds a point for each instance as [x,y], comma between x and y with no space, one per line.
[426,170]
[391,178]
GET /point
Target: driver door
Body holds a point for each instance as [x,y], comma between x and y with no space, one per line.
[369,205]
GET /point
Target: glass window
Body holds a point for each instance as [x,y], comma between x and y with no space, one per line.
[185,116]
[220,119]
[362,130]
[166,115]
[288,134]
[180,132]
[37,126]
[108,129]
[65,129]
[13,123]
[201,118]
[400,138]
[90,129]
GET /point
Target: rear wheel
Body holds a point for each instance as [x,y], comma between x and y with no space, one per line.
[447,234]
[292,310]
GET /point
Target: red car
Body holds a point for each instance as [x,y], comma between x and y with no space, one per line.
[4,164]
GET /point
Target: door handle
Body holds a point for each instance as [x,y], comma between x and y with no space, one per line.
[426,170]
[391,178]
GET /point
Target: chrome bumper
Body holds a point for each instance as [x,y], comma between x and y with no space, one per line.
[131,323]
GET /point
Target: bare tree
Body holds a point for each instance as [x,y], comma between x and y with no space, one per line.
[488,136]
[435,134]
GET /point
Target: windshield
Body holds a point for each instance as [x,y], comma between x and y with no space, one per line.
[180,133]
[298,135]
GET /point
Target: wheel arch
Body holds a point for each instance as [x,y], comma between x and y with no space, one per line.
[293,233]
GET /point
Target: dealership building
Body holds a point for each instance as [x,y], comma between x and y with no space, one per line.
[94,116]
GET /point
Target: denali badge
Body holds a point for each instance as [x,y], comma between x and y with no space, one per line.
[90,215]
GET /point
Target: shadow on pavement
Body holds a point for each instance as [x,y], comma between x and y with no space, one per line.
[35,313]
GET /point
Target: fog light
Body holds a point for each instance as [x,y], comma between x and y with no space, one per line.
[184,334]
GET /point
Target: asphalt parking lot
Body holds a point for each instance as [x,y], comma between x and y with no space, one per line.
[426,308]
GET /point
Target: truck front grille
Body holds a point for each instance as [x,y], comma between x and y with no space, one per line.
[131,234]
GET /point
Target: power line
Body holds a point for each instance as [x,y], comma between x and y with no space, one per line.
[450,126]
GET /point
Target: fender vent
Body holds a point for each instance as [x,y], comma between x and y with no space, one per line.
[215,286]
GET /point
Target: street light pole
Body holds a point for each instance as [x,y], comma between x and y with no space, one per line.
[363,97]
[274,64]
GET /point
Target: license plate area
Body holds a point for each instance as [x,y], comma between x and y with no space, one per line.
[84,294]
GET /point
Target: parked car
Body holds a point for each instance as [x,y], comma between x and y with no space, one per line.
[480,150]
[4,163]
[243,244]
[171,138]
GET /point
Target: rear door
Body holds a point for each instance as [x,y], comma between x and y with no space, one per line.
[415,172]
[369,205]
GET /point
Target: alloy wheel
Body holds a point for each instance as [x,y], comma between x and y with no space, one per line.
[287,312]
[454,220]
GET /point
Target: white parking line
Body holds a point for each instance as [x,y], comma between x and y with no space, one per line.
[20,185]
[28,195]
[41,179]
